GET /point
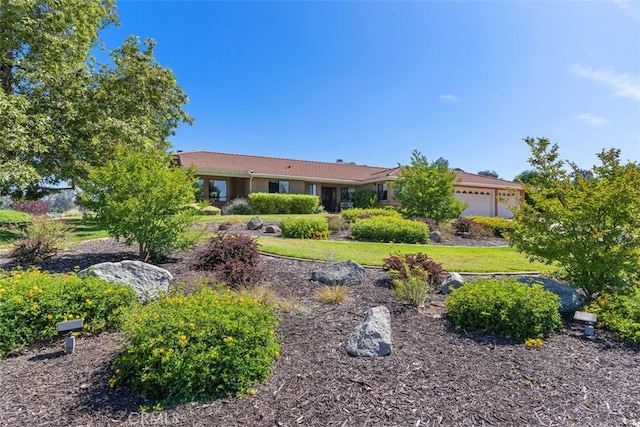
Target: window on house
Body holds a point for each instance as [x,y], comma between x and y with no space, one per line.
[347,197]
[382,191]
[218,190]
[198,187]
[313,189]
[278,186]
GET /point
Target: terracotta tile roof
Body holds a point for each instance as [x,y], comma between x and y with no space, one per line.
[241,164]
[472,179]
[225,164]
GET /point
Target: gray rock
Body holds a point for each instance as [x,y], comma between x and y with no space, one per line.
[146,279]
[255,224]
[372,337]
[435,236]
[452,281]
[340,273]
[272,229]
[570,299]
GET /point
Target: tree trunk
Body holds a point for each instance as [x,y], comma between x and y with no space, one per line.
[143,253]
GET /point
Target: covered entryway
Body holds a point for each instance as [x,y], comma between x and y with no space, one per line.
[328,197]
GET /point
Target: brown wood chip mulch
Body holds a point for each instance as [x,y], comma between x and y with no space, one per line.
[434,376]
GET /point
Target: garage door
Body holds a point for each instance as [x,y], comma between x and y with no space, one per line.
[511,201]
[480,202]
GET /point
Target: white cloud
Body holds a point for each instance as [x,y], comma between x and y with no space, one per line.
[592,120]
[625,85]
[449,97]
[631,8]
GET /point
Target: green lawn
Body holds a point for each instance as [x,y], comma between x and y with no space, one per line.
[453,258]
[462,259]
[82,229]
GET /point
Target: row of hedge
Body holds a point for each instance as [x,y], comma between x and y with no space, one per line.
[277,203]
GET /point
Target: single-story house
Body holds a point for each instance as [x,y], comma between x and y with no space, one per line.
[224,177]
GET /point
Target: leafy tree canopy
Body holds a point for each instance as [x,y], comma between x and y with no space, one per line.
[490,173]
[426,189]
[140,196]
[527,177]
[588,223]
[60,110]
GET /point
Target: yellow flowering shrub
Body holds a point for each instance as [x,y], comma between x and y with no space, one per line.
[205,345]
[505,307]
[619,312]
[32,302]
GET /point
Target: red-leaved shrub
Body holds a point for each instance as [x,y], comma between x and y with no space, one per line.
[233,257]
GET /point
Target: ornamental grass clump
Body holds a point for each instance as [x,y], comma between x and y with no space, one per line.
[505,307]
[32,302]
[206,345]
[43,238]
[332,294]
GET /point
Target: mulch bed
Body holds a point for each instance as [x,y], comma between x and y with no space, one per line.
[434,376]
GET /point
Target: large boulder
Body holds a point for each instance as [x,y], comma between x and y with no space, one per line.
[340,273]
[273,229]
[255,224]
[570,299]
[372,337]
[435,237]
[146,279]
[452,281]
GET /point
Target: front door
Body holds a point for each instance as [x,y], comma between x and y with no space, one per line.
[328,196]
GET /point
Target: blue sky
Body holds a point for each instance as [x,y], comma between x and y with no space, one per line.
[369,81]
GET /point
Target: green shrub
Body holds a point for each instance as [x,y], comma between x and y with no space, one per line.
[203,208]
[390,229]
[206,345]
[504,307]
[234,257]
[239,206]
[365,199]
[32,302]
[43,238]
[11,217]
[501,227]
[210,210]
[353,214]
[305,228]
[279,203]
[620,313]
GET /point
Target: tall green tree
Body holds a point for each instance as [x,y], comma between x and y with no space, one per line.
[426,189]
[140,196]
[588,223]
[60,110]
